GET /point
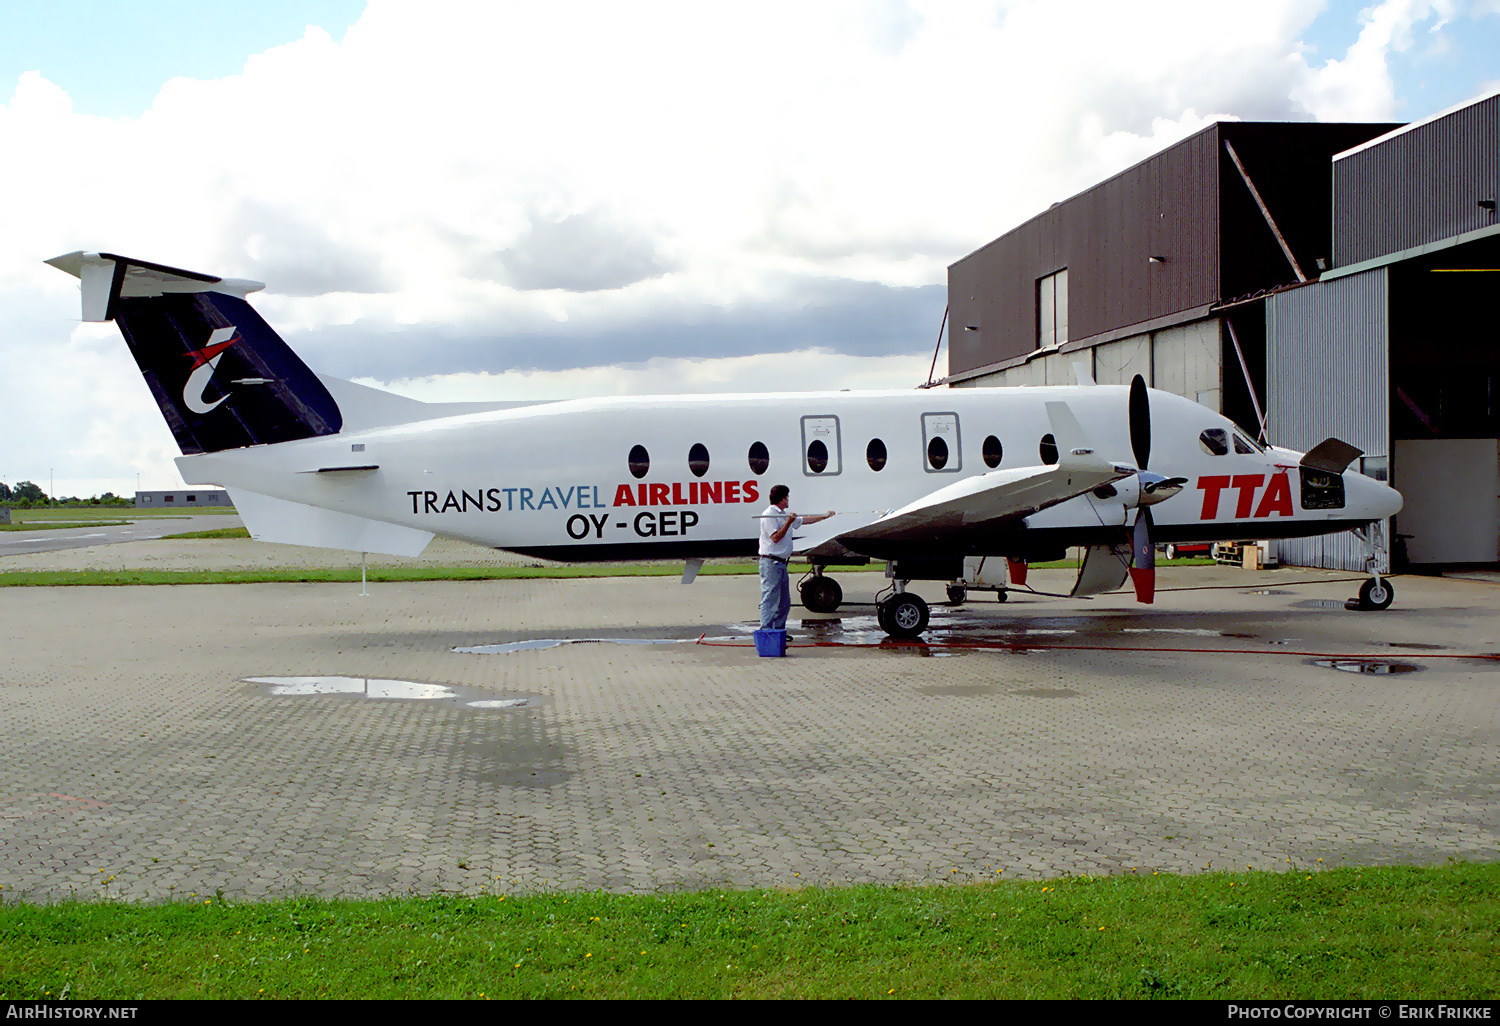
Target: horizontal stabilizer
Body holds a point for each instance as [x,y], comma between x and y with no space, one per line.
[108,278]
[295,523]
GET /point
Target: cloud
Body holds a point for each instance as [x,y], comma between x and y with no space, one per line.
[295,255]
[500,188]
[853,318]
[579,253]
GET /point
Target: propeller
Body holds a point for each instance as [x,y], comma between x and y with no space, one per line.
[1140,422]
[1154,488]
[1143,562]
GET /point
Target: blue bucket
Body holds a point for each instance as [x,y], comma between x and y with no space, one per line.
[770,643]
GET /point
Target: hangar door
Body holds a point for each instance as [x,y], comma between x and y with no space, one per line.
[1328,375]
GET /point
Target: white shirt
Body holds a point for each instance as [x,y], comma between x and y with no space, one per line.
[771,520]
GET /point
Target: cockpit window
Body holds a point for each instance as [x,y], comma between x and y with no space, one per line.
[1215,442]
[1244,446]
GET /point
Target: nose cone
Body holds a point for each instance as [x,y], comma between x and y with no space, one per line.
[1373,499]
[1156,487]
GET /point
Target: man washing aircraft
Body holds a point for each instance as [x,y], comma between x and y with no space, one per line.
[776,526]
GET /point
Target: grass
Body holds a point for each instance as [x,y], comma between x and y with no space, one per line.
[346,575]
[349,574]
[92,513]
[222,532]
[1388,933]
[60,525]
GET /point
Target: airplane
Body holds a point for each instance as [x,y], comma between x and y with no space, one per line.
[924,479]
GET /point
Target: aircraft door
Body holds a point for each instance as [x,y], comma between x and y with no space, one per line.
[822,455]
[941,453]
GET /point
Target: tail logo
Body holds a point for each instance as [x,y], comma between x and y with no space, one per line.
[205,361]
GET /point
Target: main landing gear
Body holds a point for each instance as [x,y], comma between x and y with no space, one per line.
[1376,593]
[820,593]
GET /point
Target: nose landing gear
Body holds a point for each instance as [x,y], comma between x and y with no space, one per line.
[902,615]
[1376,593]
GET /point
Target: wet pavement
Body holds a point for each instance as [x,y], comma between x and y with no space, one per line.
[622,734]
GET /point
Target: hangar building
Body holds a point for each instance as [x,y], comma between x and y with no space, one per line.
[1304,279]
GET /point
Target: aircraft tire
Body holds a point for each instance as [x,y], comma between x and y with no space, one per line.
[1375,596]
[821,594]
[904,615]
[957,593]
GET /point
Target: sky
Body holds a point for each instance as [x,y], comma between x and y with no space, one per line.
[492,200]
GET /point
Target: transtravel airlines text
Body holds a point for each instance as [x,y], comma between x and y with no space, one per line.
[495,500]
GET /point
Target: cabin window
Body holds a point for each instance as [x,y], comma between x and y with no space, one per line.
[937,453]
[640,461]
[1245,445]
[875,454]
[992,452]
[1047,450]
[1215,442]
[817,456]
[760,458]
[698,459]
[169,498]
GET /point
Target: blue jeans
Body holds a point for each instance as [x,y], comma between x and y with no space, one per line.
[775,595]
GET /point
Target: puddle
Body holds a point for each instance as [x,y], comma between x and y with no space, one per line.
[382,689]
[1046,693]
[1270,591]
[1371,666]
[1197,632]
[522,646]
[1411,644]
[1320,604]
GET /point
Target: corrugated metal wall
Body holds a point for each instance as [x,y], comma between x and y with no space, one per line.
[1328,373]
[1165,206]
[1419,186]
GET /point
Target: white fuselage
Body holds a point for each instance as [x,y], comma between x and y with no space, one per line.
[556,478]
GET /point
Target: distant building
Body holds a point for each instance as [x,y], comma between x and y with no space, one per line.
[184,499]
[1305,280]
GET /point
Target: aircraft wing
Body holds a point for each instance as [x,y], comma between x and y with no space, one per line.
[980,504]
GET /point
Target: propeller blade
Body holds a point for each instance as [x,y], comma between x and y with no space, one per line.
[1017,572]
[1140,422]
[1143,562]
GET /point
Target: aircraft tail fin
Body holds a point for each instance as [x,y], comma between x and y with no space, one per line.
[222,377]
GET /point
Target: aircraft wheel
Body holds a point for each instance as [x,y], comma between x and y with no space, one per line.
[957,593]
[1376,595]
[821,594]
[1001,595]
[904,615]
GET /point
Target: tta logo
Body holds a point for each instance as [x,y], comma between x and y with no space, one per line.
[205,360]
